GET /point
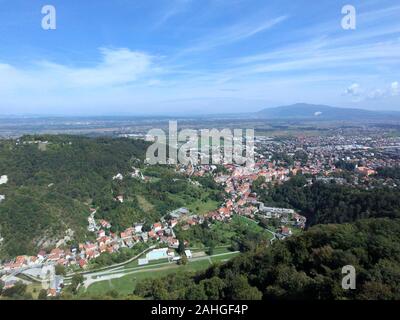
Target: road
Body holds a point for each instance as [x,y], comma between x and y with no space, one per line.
[114,266]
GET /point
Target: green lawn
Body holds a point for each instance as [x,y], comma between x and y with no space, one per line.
[200,207]
[224,257]
[145,205]
[126,284]
[220,250]
[34,289]
[135,262]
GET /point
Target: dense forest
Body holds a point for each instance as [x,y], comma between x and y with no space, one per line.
[324,202]
[52,185]
[306,266]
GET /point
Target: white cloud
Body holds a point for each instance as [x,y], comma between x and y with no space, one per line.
[376,94]
[353,90]
[117,67]
[395,88]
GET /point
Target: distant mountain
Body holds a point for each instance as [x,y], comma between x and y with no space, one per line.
[323,112]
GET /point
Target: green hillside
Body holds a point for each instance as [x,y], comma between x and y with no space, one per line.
[307,266]
[52,185]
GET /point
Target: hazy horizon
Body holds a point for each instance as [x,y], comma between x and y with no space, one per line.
[173,114]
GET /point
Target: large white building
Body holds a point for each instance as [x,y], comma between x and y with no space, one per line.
[162,253]
[3,179]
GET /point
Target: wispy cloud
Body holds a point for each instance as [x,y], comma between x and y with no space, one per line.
[117,67]
[232,34]
[175,8]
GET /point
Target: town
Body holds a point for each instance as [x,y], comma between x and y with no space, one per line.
[277,160]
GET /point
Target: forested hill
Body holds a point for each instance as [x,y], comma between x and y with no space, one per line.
[307,266]
[333,203]
[51,185]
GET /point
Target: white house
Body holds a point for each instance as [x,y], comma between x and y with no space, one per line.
[188,254]
[138,227]
[119,176]
[3,179]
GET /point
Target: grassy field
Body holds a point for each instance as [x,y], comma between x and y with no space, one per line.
[228,231]
[223,258]
[145,205]
[200,206]
[34,289]
[222,233]
[126,284]
[134,263]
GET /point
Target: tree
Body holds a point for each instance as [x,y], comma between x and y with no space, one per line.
[60,270]
[42,294]
[195,292]
[184,260]
[76,280]
[240,289]
[257,183]
[181,247]
[16,292]
[211,248]
[213,288]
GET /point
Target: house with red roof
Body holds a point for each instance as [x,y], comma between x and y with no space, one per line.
[157,226]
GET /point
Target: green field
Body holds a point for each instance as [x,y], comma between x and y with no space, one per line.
[134,263]
[198,205]
[202,207]
[126,284]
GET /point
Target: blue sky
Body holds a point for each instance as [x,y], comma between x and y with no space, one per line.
[196,56]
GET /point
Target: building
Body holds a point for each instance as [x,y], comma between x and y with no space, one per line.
[273,212]
[285,231]
[3,179]
[162,253]
[176,214]
[188,254]
[138,227]
[119,176]
[157,227]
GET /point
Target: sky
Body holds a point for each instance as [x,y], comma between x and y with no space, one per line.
[160,57]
